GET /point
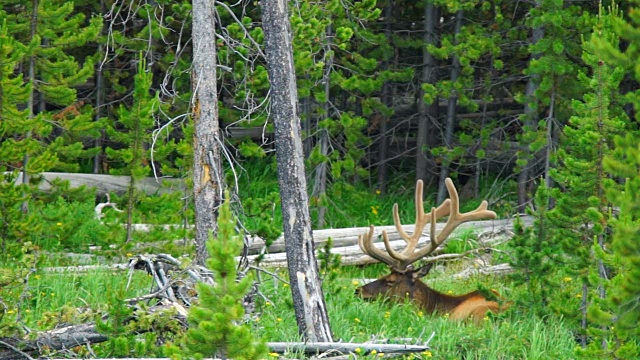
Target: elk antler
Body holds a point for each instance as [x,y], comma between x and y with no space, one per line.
[401,260]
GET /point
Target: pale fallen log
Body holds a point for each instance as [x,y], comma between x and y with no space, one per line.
[353,255]
[349,255]
[349,236]
[500,269]
[326,347]
[359,348]
[86,268]
[110,183]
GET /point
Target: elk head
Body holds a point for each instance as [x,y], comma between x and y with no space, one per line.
[404,282]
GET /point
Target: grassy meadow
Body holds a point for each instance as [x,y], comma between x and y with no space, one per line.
[55,298]
[49,299]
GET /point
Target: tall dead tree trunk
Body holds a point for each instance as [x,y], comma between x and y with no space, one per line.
[308,300]
[530,123]
[452,111]
[99,104]
[386,100]
[207,166]
[31,100]
[321,178]
[426,130]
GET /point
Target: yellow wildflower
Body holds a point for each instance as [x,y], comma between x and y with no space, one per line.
[420,314]
[59,224]
[356,320]
[387,314]
[274,354]
[355,282]
[378,192]
[285,285]
[374,210]
[427,353]
[129,254]
[579,296]
[567,279]
[358,350]
[279,319]
[373,352]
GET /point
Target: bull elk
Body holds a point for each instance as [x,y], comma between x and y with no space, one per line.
[404,281]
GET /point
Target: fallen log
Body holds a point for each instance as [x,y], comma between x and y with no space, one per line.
[57,339]
[494,232]
[500,269]
[353,348]
[349,236]
[353,255]
[110,183]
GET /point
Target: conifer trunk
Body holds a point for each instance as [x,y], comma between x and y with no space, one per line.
[207,167]
[386,100]
[99,105]
[308,300]
[31,101]
[530,122]
[426,129]
[452,110]
[320,183]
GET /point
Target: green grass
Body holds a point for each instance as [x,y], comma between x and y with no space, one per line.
[517,334]
[53,298]
[513,335]
[49,298]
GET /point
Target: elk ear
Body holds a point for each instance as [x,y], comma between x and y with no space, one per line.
[422,271]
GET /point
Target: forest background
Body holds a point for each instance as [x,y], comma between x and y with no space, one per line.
[531,105]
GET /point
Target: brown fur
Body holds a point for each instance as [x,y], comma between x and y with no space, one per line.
[407,285]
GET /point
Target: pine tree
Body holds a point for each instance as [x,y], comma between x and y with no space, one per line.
[536,256]
[470,50]
[15,226]
[619,313]
[133,130]
[56,66]
[215,323]
[556,28]
[582,212]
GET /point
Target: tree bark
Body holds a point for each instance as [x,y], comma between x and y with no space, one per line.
[31,101]
[530,122]
[452,110]
[428,113]
[99,104]
[387,90]
[207,167]
[321,178]
[308,300]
